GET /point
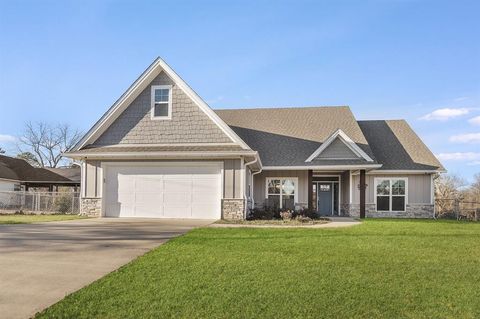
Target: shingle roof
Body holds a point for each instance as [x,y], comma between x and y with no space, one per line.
[20,170]
[72,173]
[397,147]
[288,136]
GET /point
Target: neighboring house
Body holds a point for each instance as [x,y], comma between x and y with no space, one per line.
[16,174]
[160,151]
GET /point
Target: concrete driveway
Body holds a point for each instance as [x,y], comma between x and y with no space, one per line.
[41,263]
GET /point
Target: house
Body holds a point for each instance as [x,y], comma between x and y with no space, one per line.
[16,174]
[161,151]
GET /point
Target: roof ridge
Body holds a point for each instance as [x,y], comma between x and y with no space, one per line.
[404,120]
[283,107]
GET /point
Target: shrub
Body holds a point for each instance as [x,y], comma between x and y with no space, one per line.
[287,214]
[63,203]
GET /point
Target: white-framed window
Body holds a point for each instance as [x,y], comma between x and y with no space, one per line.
[391,194]
[161,108]
[281,192]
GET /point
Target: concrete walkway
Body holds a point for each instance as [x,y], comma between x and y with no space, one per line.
[335,222]
[41,263]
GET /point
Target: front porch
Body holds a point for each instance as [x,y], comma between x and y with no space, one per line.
[328,193]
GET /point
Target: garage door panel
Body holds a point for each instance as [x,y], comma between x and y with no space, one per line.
[148,184]
[126,210]
[125,198]
[177,185]
[163,190]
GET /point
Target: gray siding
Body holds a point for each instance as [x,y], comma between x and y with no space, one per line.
[232,187]
[419,188]
[260,183]
[93,184]
[189,124]
[337,150]
[231,184]
[345,187]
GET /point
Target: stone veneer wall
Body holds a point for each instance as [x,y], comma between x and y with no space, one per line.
[91,207]
[412,211]
[232,209]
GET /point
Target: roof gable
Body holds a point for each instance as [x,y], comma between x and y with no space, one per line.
[339,143]
[337,150]
[141,85]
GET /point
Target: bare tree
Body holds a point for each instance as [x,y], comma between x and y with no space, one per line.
[47,143]
[2,151]
[29,158]
[448,188]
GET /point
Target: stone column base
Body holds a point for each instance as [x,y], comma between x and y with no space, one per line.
[91,207]
[412,211]
[233,209]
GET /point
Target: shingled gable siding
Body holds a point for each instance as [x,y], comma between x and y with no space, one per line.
[337,149]
[189,124]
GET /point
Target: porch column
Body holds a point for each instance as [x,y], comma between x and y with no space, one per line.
[362,193]
[310,189]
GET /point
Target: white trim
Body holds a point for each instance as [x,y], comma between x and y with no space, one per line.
[378,172]
[346,140]
[143,155]
[295,196]
[339,182]
[350,199]
[323,167]
[83,178]
[152,102]
[136,88]
[375,183]
[165,144]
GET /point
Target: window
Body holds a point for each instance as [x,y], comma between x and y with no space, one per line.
[161,102]
[281,192]
[391,194]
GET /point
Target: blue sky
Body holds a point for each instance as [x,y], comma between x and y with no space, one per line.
[68,61]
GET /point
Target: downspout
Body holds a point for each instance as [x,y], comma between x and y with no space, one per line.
[251,187]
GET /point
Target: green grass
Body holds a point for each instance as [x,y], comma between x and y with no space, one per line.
[380,269]
[27,219]
[274,222]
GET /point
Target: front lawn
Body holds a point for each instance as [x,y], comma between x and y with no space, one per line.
[27,219]
[380,269]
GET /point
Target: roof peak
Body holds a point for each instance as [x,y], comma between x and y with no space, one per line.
[285,108]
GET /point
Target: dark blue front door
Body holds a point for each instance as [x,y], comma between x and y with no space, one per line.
[324,197]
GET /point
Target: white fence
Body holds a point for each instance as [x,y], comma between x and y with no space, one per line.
[39,202]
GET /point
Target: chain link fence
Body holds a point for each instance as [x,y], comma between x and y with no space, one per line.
[39,202]
[459,209]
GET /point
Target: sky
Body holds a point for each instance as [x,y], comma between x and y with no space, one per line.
[68,61]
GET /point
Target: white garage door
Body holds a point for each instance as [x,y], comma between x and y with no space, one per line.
[163,190]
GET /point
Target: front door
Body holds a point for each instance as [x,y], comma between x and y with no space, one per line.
[325,197]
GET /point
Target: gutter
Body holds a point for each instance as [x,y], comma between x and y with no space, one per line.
[256,160]
[143,155]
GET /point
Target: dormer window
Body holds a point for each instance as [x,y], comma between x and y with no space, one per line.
[161,102]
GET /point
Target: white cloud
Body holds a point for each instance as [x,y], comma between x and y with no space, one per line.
[474,120]
[474,163]
[4,138]
[445,114]
[459,156]
[466,138]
